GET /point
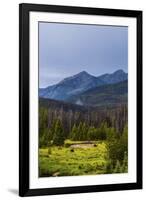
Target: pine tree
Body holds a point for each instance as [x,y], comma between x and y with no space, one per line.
[44,139]
[84,131]
[109,167]
[118,148]
[117,167]
[102,131]
[123,143]
[79,132]
[92,131]
[125,163]
[111,134]
[53,126]
[58,138]
[124,137]
[73,134]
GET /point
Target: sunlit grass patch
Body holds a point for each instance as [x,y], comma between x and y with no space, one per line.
[62,161]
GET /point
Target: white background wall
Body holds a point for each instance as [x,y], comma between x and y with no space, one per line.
[9,97]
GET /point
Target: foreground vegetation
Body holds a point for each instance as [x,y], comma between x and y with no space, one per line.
[66,161]
[69,160]
[95,144]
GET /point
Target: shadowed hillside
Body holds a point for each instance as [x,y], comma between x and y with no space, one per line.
[106,95]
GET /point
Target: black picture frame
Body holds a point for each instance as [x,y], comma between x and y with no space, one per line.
[24,9]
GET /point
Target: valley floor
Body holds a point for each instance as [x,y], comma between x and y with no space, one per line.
[73,160]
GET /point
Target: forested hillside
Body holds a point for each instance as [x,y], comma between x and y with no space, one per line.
[106,95]
[73,127]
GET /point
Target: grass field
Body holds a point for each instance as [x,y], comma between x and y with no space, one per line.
[69,161]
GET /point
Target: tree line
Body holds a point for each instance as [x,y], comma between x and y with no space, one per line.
[116,118]
[57,125]
[93,125]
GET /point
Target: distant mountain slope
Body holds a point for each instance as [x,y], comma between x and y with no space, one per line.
[55,104]
[117,76]
[106,95]
[67,106]
[70,86]
[80,83]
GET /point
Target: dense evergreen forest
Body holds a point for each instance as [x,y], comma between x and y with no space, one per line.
[62,125]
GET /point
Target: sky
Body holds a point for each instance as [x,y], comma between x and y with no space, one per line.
[67,49]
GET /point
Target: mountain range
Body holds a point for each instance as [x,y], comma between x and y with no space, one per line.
[105,95]
[86,89]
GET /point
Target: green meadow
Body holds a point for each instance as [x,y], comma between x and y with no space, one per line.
[69,161]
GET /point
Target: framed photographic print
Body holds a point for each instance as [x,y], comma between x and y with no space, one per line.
[80,100]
